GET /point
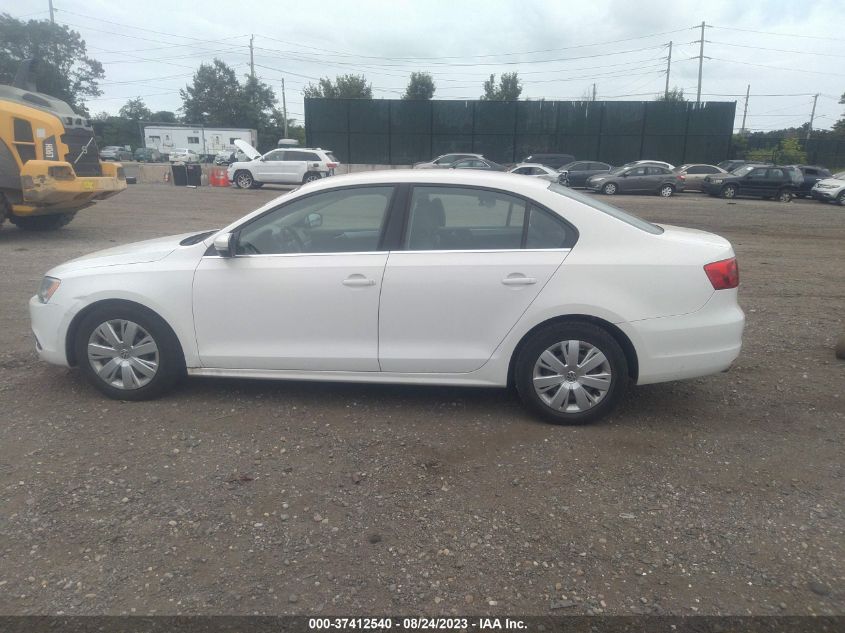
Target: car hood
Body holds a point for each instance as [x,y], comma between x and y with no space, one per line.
[833,182]
[247,149]
[135,253]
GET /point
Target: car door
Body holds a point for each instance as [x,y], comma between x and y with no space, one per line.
[755,183]
[302,291]
[634,180]
[269,168]
[578,174]
[463,279]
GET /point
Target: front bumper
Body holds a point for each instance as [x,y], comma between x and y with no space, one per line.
[825,194]
[711,188]
[43,194]
[49,325]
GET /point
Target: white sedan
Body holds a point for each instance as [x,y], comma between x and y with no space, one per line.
[536,170]
[415,277]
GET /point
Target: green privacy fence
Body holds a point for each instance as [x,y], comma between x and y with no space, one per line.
[396,132]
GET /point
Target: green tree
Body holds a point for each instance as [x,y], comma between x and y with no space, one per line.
[508,88]
[163,116]
[787,152]
[675,95]
[135,110]
[344,87]
[839,126]
[214,97]
[420,86]
[63,68]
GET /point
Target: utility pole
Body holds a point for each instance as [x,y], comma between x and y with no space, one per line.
[700,64]
[284,107]
[668,69]
[812,116]
[745,109]
[52,17]
[251,59]
[594,92]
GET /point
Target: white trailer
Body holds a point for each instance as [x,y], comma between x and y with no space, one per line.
[205,141]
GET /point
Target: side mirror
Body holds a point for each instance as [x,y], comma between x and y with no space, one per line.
[313,220]
[225,244]
[624,174]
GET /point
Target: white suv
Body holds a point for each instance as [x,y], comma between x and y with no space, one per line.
[284,166]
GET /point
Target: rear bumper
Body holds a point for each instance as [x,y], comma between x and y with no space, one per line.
[43,194]
[690,345]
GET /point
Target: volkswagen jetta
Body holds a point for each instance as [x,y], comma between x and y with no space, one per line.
[418,277]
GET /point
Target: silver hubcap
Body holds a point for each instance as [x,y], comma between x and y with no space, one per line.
[610,189]
[666,192]
[123,354]
[244,181]
[729,192]
[572,376]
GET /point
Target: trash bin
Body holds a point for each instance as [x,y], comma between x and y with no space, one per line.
[180,174]
[194,175]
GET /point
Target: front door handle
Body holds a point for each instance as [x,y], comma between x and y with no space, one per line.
[517,279]
[358,281]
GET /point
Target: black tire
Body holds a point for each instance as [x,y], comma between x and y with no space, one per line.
[784,195]
[311,176]
[243,179]
[545,338]
[5,208]
[42,222]
[256,185]
[840,199]
[171,360]
[666,191]
[610,189]
[729,192]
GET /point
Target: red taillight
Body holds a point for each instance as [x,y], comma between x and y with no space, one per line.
[682,176]
[723,274]
[331,165]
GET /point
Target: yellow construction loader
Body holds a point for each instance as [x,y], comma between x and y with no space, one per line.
[50,165]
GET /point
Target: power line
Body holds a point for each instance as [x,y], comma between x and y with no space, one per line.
[776,50]
[797,70]
[812,37]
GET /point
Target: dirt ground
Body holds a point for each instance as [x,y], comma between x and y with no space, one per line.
[721,495]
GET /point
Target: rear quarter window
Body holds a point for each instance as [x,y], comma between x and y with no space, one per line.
[608,209]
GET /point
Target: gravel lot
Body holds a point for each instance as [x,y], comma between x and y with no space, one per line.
[722,495]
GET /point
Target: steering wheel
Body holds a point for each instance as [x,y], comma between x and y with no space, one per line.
[290,236]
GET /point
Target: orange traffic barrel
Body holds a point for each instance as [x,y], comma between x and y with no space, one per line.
[219,177]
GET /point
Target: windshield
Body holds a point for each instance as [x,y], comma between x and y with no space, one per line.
[741,171]
[609,209]
[618,170]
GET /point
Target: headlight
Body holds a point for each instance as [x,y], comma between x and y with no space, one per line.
[49,285]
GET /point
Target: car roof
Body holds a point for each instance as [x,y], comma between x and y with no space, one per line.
[539,165]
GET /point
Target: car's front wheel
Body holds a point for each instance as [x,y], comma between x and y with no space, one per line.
[729,192]
[128,352]
[609,189]
[840,199]
[244,180]
[571,373]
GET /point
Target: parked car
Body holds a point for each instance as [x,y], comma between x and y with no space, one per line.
[147,155]
[415,277]
[280,166]
[555,161]
[830,189]
[730,165]
[115,152]
[634,163]
[536,170]
[693,174]
[755,181]
[477,163]
[810,175]
[182,155]
[575,174]
[647,178]
[445,161]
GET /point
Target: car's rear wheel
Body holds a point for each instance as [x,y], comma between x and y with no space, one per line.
[128,352]
[610,189]
[784,195]
[729,191]
[311,176]
[666,191]
[42,222]
[244,179]
[571,373]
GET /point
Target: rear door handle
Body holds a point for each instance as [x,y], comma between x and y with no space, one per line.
[358,281]
[518,280]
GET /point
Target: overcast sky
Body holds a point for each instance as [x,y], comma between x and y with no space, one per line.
[560,49]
